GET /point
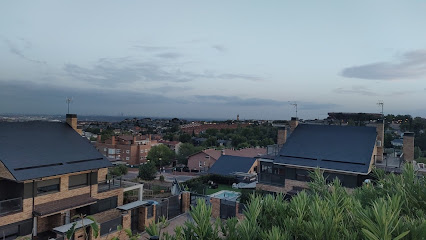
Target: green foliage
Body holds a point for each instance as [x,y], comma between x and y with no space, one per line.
[185,138]
[185,150]
[161,152]
[94,226]
[417,153]
[118,170]
[161,178]
[391,207]
[147,171]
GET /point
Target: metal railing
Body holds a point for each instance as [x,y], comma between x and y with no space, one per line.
[10,206]
[111,184]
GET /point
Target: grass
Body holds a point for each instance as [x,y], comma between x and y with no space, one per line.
[220,188]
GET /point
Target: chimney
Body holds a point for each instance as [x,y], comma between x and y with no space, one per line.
[134,140]
[223,152]
[293,123]
[72,120]
[99,138]
[282,136]
[380,129]
[149,137]
[408,146]
[113,140]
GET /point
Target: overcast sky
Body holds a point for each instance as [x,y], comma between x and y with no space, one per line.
[213,59]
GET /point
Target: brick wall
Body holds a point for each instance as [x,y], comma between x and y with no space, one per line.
[144,221]
[186,201]
[215,207]
[408,146]
[194,161]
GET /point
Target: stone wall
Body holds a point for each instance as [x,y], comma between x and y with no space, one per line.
[186,201]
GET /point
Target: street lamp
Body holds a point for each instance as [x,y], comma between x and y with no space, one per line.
[160,164]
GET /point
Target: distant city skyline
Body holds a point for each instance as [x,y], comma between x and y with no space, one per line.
[192,59]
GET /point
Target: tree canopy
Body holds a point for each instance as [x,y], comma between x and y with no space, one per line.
[161,152]
[147,171]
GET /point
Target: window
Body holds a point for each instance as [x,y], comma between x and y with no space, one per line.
[127,151]
[48,186]
[142,151]
[105,149]
[150,212]
[127,158]
[111,151]
[117,151]
[266,168]
[77,181]
[199,164]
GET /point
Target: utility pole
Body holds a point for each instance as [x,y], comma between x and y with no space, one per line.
[380,103]
[69,101]
[295,106]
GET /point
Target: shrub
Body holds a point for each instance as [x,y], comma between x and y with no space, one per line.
[147,171]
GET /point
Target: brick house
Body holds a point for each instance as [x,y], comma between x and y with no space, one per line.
[205,159]
[48,174]
[129,149]
[345,152]
[228,165]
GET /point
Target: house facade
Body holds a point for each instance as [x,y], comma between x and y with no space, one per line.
[344,152]
[52,176]
[132,150]
[205,159]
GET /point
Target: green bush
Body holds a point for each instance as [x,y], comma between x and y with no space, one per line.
[147,171]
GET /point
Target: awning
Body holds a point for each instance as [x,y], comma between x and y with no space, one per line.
[78,224]
[129,206]
[63,205]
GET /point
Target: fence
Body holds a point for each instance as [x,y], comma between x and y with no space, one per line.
[110,226]
[169,207]
[227,209]
[108,185]
[195,197]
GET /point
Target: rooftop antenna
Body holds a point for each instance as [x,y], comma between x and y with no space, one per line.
[295,106]
[69,101]
[380,103]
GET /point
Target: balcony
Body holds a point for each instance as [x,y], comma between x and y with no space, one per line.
[110,184]
[10,206]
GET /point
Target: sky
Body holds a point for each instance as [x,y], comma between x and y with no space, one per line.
[213,59]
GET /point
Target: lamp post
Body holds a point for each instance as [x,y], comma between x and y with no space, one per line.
[160,164]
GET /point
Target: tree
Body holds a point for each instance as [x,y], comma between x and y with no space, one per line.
[185,150]
[417,152]
[185,138]
[119,170]
[161,152]
[147,171]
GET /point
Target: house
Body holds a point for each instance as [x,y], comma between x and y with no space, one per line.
[205,159]
[344,152]
[130,149]
[242,167]
[173,145]
[49,173]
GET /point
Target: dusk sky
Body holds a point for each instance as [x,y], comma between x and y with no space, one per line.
[213,59]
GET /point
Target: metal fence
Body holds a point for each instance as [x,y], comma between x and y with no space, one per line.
[169,207]
[227,209]
[110,226]
[195,197]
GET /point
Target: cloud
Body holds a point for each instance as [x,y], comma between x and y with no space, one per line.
[220,48]
[123,70]
[361,90]
[17,51]
[116,71]
[169,55]
[409,65]
[151,48]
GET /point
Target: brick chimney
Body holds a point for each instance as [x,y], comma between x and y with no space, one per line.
[149,137]
[408,146]
[134,140]
[113,140]
[380,129]
[293,123]
[282,135]
[72,120]
[99,138]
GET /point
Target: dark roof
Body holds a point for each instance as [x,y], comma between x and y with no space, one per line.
[31,150]
[344,148]
[227,164]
